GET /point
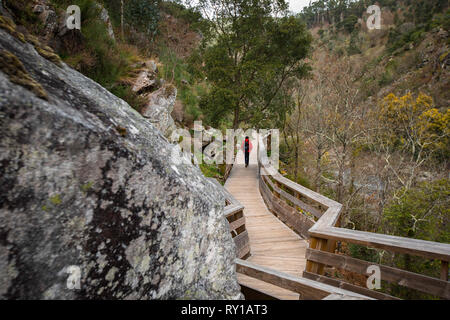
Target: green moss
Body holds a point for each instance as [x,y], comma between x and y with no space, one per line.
[86,187]
[9,26]
[44,51]
[56,200]
[14,68]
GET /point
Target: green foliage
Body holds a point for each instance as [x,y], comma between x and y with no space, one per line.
[100,57]
[442,20]
[386,78]
[349,23]
[178,71]
[331,11]
[210,170]
[190,15]
[321,33]
[421,213]
[398,40]
[354,45]
[363,253]
[247,58]
[143,15]
[22,10]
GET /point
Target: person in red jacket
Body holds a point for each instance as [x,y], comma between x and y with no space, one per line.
[247,148]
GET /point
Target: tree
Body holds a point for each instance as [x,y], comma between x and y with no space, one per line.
[414,130]
[344,119]
[143,15]
[250,50]
[309,118]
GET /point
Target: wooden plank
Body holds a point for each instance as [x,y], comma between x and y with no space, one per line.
[306,288]
[273,244]
[236,224]
[254,294]
[288,215]
[408,279]
[427,249]
[243,252]
[336,296]
[444,270]
[329,219]
[270,289]
[347,286]
[291,217]
[241,239]
[232,209]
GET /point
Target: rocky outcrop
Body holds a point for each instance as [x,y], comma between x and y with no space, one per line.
[55,31]
[92,194]
[104,15]
[145,82]
[159,108]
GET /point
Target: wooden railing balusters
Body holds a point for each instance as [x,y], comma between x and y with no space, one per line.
[444,270]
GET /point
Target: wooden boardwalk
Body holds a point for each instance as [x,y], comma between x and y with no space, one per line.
[272,243]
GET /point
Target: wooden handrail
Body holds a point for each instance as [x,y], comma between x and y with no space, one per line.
[234,213]
[307,289]
[324,230]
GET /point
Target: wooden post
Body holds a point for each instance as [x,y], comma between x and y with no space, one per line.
[444,270]
[318,244]
[299,197]
[312,245]
[323,246]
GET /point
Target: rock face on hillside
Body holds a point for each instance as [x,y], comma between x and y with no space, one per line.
[92,194]
[159,108]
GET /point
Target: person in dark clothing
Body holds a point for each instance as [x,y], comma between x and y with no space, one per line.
[247,148]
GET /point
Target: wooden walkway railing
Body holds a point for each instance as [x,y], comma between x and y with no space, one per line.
[307,289]
[234,212]
[317,218]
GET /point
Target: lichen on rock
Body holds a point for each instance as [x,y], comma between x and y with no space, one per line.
[77,193]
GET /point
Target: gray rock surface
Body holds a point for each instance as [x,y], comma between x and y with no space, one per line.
[159,108]
[145,82]
[91,192]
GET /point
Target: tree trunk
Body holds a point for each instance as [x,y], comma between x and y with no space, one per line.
[296,163]
[318,169]
[121,19]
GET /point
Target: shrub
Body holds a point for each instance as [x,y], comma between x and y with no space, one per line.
[349,23]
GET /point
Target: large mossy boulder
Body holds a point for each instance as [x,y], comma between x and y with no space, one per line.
[91,192]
